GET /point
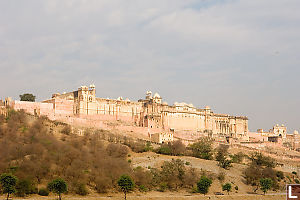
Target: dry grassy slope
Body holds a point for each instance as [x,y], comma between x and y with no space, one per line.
[233,175]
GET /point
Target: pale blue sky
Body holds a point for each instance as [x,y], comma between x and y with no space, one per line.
[240,57]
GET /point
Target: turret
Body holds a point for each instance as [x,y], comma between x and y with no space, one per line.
[148,95]
[157,98]
[92,90]
[207,110]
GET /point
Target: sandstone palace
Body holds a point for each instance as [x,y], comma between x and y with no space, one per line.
[152,114]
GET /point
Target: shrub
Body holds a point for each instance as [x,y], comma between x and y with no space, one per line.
[142,188]
[221,176]
[142,177]
[148,147]
[163,187]
[191,177]
[226,164]
[43,192]
[67,130]
[252,174]
[81,189]
[102,184]
[137,147]
[204,184]
[227,187]
[237,158]
[289,178]
[194,189]
[222,153]
[236,187]
[280,175]
[117,150]
[177,148]
[261,160]
[24,187]
[164,149]
[173,173]
[202,149]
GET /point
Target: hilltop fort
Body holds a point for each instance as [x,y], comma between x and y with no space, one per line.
[151,118]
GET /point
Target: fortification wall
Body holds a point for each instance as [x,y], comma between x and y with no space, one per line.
[81,121]
[34,108]
[258,137]
[184,121]
[63,106]
[121,107]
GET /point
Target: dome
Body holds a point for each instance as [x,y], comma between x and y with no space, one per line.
[156,95]
[207,108]
[183,104]
[92,86]
[296,132]
[165,103]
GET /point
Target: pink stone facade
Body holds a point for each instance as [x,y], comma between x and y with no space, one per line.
[152,114]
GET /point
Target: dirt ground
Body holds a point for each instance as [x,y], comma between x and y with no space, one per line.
[161,196]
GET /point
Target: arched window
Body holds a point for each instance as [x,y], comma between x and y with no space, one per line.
[90,99]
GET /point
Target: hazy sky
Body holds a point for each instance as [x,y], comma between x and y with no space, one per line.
[240,57]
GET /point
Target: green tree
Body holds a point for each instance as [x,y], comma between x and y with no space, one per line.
[27,97]
[126,184]
[227,187]
[202,149]
[8,183]
[204,184]
[222,153]
[58,186]
[265,184]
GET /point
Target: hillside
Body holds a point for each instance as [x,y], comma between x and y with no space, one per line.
[38,150]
